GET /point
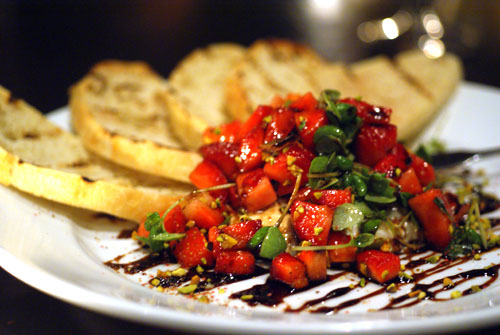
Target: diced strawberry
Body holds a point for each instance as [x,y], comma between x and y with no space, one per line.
[316,264]
[192,250]
[250,154]
[436,224]
[332,198]
[280,125]
[141,229]
[255,120]
[307,102]
[229,132]
[175,222]
[307,122]
[223,155]
[235,262]
[311,222]
[234,198]
[378,265]
[424,171]
[206,175]
[343,255]
[409,182]
[283,166]
[368,113]
[255,190]
[242,232]
[204,211]
[373,142]
[212,235]
[290,270]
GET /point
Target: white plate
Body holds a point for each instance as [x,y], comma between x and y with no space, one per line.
[60,251]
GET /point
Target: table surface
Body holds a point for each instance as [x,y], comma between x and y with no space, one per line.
[61,41]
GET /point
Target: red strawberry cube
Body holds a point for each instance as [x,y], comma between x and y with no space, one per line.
[204,210]
[311,222]
[316,263]
[289,270]
[255,190]
[343,255]
[192,250]
[378,265]
[235,262]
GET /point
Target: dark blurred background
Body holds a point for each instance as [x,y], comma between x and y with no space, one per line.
[45,46]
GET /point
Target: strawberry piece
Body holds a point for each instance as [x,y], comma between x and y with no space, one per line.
[223,155]
[373,142]
[255,120]
[311,222]
[370,114]
[235,262]
[192,251]
[281,168]
[435,223]
[204,211]
[330,198]
[242,232]
[307,102]
[255,190]
[424,171]
[175,222]
[316,264]
[289,270]
[212,235]
[281,124]
[307,122]
[141,229]
[378,265]
[344,255]
[234,198]
[409,182]
[206,175]
[250,154]
[229,132]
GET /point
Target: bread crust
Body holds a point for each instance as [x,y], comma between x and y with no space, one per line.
[72,176]
[119,132]
[195,98]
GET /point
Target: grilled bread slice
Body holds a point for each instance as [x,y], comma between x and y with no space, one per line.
[39,158]
[274,66]
[119,111]
[414,86]
[196,92]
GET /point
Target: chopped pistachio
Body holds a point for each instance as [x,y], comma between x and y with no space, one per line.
[362,282]
[290,160]
[287,182]
[385,273]
[448,282]
[477,257]
[160,289]
[247,297]
[267,119]
[179,272]
[203,260]
[155,282]
[305,243]
[433,259]
[421,295]
[226,241]
[318,195]
[190,224]
[392,288]
[300,209]
[475,288]
[402,267]
[405,275]
[351,286]
[237,159]
[195,279]
[187,289]
[318,230]
[204,299]
[213,205]
[199,269]
[456,294]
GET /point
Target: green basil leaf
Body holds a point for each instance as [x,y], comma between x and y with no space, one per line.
[379,199]
[371,226]
[363,240]
[404,197]
[273,244]
[378,183]
[347,216]
[257,238]
[319,164]
[329,139]
[347,112]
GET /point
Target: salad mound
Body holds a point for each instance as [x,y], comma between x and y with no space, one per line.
[346,190]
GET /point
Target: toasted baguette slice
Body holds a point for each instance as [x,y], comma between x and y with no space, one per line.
[273,67]
[39,158]
[438,78]
[414,86]
[119,111]
[196,93]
